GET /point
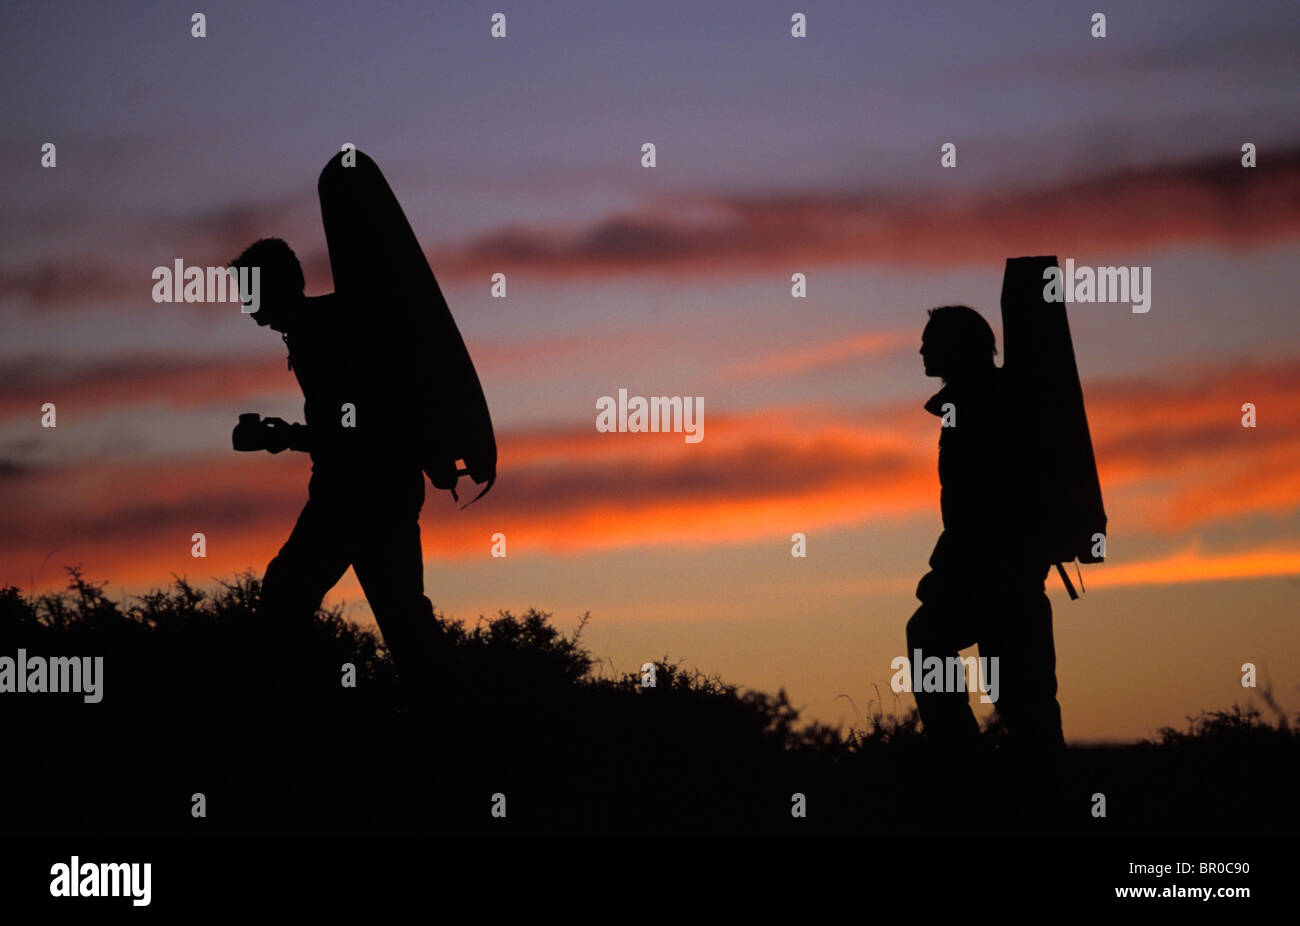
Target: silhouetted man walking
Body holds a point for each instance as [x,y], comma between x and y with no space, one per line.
[987,572]
[367,486]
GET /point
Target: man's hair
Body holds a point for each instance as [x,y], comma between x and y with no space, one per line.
[280,274]
[963,326]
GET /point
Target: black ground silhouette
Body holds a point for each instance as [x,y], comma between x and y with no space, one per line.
[193,704]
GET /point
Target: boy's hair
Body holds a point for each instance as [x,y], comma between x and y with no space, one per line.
[280,274]
[966,328]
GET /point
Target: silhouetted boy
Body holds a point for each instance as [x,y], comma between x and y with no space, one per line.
[367,486]
[987,572]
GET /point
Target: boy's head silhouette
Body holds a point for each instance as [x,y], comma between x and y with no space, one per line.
[280,280]
[956,341]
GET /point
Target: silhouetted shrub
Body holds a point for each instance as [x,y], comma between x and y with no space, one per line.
[196,702]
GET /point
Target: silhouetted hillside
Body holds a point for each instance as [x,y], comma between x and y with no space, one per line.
[194,700]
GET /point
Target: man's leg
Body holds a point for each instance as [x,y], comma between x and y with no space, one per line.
[944,782]
[1021,639]
[938,629]
[389,563]
[309,564]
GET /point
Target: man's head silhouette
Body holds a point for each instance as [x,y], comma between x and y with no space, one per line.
[957,341]
[281,282]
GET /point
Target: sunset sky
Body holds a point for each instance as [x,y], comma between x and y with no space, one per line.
[775,156]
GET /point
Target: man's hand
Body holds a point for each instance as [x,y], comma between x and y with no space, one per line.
[276,434]
[273,434]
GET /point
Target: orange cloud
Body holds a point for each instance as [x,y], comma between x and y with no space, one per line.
[1192,566]
[1173,458]
[567,491]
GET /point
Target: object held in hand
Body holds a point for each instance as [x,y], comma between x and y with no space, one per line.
[249,433]
[275,434]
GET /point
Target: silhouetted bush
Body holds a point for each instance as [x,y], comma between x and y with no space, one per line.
[196,701]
